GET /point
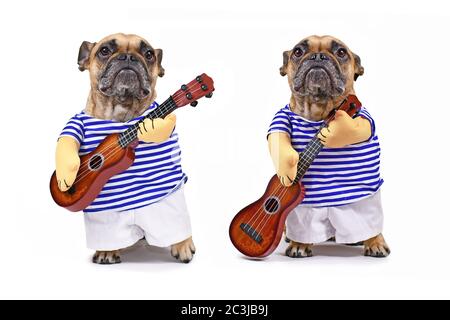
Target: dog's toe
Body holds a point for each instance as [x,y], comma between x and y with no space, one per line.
[379,253]
[291,252]
[186,260]
[117,258]
[192,247]
[176,255]
[174,252]
[106,257]
[288,251]
[298,250]
[186,254]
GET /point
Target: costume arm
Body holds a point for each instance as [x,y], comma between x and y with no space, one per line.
[344,130]
[284,156]
[157,130]
[67,161]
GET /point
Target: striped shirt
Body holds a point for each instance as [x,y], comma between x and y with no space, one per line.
[155,173]
[337,176]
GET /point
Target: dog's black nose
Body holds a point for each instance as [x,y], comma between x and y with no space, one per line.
[126,56]
[318,57]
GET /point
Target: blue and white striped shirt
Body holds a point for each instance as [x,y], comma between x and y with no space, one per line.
[337,176]
[155,173]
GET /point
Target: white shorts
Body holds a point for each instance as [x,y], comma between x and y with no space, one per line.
[163,223]
[351,223]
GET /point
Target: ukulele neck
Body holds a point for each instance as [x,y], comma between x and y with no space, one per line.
[130,135]
[307,156]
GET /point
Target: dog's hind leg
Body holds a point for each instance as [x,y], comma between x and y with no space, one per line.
[183,251]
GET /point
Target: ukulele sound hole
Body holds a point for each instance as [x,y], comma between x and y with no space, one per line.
[96,162]
[272,205]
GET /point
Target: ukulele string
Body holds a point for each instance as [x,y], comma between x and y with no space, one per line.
[283,192]
[315,149]
[257,214]
[260,212]
[269,217]
[110,151]
[116,149]
[261,209]
[265,219]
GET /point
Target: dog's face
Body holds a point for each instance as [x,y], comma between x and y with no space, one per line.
[122,68]
[321,68]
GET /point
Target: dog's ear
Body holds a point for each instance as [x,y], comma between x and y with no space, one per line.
[83,55]
[159,56]
[283,68]
[359,69]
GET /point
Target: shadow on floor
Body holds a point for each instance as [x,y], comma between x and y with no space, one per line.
[141,252]
[328,249]
[337,250]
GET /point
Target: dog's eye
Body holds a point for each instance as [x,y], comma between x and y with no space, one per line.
[149,54]
[341,53]
[298,52]
[104,51]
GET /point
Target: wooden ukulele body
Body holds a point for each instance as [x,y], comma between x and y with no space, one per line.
[96,168]
[257,229]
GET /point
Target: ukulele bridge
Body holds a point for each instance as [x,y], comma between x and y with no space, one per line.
[251,233]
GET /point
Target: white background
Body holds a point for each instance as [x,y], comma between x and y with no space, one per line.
[404,48]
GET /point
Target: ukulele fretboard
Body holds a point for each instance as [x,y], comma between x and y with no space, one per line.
[307,156]
[161,111]
[313,148]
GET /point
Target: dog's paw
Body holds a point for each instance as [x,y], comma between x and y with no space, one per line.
[106,257]
[299,250]
[376,247]
[184,251]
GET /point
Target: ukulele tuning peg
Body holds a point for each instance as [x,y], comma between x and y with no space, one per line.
[209,95]
[194,103]
[184,87]
[198,78]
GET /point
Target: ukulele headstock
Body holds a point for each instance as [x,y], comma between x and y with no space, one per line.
[201,86]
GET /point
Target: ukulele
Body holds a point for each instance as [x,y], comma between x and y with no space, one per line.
[257,229]
[115,153]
